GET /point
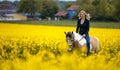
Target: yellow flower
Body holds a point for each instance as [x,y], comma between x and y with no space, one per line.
[31,47]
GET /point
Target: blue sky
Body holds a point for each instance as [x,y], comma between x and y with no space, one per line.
[59,0]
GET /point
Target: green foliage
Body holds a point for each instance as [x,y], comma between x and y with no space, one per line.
[50,8]
[102,10]
[87,6]
[28,6]
[68,4]
[116,4]
[39,3]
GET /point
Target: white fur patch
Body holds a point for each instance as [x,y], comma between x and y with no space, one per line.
[78,38]
[82,42]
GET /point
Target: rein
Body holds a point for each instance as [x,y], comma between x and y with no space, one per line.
[81,38]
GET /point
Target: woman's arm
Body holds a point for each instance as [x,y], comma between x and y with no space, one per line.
[88,25]
[77,26]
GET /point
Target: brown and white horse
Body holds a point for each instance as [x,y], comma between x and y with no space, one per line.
[76,40]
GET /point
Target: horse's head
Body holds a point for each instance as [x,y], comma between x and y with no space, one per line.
[69,37]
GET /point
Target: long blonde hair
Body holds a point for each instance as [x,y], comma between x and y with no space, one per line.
[87,15]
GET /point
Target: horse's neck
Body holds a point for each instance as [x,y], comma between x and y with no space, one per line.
[77,36]
[81,41]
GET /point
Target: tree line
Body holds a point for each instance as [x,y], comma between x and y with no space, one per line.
[100,10]
[47,8]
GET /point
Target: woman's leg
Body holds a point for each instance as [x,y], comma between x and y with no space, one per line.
[88,44]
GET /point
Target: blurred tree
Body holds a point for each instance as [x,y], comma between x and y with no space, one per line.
[87,6]
[105,10]
[39,3]
[116,4]
[49,8]
[101,9]
[110,12]
[28,6]
[68,4]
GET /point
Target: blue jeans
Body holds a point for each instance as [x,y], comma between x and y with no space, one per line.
[88,44]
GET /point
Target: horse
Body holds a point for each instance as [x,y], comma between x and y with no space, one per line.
[76,40]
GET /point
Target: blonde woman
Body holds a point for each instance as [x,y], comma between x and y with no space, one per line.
[83,26]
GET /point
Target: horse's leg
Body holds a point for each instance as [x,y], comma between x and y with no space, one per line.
[95,44]
[96,50]
[71,47]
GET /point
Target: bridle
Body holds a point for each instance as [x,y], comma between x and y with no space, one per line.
[73,39]
[73,42]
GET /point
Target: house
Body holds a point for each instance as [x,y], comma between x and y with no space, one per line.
[9,13]
[61,14]
[72,11]
[11,17]
[69,13]
[17,16]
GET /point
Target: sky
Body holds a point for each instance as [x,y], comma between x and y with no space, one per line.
[59,0]
[67,0]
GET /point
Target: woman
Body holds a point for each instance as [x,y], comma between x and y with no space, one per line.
[83,26]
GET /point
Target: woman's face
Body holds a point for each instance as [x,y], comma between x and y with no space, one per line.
[82,15]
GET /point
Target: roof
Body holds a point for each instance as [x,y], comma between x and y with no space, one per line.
[61,13]
[73,7]
[7,8]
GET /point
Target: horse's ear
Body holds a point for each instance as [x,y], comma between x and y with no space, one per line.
[65,33]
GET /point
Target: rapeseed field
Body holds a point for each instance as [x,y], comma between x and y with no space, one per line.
[37,47]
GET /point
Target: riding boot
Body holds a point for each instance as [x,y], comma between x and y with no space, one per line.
[88,48]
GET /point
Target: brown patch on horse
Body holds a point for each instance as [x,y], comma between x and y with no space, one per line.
[76,43]
[93,41]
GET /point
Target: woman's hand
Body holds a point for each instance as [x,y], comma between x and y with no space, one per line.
[83,35]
